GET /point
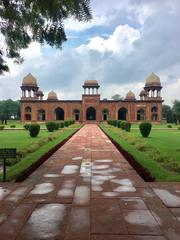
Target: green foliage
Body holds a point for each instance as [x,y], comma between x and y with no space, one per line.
[12,126]
[61,125]
[3,66]
[178,128]
[169,126]
[34,130]
[145,128]
[122,125]
[26,126]
[127,126]
[119,124]
[9,109]
[117,97]
[176,110]
[51,126]
[159,154]
[2,127]
[43,19]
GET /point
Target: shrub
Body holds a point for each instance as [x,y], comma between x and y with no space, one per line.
[122,125]
[169,126]
[66,123]
[56,125]
[61,124]
[33,147]
[119,124]
[178,128]
[127,126]
[145,128]
[34,130]
[12,126]
[26,126]
[51,126]
[1,127]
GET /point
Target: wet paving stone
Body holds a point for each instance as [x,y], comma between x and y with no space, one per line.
[87,190]
[78,224]
[142,222]
[45,222]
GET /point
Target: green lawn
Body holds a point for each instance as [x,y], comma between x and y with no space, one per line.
[160,153]
[168,141]
[32,148]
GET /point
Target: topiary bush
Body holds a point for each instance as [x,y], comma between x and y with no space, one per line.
[61,124]
[119,123]
[12,126]
[145,128]
[26,126]
[56,125]
[1,127]
[127,126]
[122,124]
[51,126]
[66,123]
[34,130]
[169,126]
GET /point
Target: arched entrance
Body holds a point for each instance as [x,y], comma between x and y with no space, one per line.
[59,114]
[28,114]
[154,115]
[105,114]
[141,115]
[41,115]
[91,114]
[122,114]
[76,114]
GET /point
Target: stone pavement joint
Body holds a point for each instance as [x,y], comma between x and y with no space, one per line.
[88,191]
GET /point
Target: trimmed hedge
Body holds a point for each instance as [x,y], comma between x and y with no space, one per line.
[34,130]
[26,126]
[145,128]
[1,127]
[51,126]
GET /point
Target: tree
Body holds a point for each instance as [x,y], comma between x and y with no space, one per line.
[117,97]
[176,110]
[9,109]
[25,21]
[3,66]
[167,113]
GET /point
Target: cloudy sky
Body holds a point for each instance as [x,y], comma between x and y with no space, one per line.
[125,42]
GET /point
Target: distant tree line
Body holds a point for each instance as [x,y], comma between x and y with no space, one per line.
[9,109]
[172,114]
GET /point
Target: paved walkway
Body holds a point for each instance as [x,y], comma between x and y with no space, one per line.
[87,190]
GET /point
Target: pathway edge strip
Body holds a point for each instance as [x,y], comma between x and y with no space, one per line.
[27,172]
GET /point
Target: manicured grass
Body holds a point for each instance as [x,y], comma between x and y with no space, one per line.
[158,126]
[167,141]
[158,153]
[22,141]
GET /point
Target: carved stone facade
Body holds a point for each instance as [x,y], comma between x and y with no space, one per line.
[91,108]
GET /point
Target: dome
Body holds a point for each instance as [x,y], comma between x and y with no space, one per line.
[40,93]
[52,96]
[130,96]
[29,80]
[142,93]
[153,80]
[91,83]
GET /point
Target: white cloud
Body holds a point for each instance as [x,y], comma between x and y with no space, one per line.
[120,42]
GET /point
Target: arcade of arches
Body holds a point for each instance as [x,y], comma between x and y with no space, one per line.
[91,108]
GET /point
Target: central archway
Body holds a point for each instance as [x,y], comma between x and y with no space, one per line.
[122,114]
[91,114]
[59,113]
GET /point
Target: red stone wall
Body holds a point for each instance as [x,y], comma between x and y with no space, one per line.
[91,101]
